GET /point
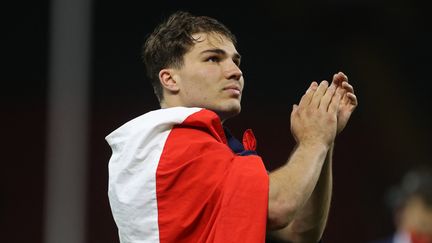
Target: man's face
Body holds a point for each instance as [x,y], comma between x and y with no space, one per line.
[210,76]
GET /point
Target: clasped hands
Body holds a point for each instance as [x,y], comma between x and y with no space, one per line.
[323,111]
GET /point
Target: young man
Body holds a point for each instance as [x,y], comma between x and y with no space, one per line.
[176,175]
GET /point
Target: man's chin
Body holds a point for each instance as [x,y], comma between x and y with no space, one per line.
[228,113]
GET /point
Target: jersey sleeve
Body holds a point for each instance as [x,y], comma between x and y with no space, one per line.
[206,193]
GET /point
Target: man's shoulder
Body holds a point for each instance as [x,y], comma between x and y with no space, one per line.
[192,116]
[153,122]
[185,121]
[204,124]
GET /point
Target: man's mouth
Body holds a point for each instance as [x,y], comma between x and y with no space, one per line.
[235,89]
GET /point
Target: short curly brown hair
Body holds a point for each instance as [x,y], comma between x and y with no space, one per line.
[170,40]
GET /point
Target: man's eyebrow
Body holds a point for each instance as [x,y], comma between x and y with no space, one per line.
[221,52]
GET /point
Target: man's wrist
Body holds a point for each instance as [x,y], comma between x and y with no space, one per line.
[315,146]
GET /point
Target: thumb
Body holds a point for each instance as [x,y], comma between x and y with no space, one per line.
[294,108]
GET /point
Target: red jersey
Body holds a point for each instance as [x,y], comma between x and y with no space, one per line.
[173,178]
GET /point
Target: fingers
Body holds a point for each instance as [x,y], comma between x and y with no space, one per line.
[339,78]
[307,97]
[316,99]
[294,109]
[336,99]
[348,87]
[349,97]
[352,98]
[327,98]
[318,96]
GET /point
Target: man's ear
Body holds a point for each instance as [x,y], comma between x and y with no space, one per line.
[168,80]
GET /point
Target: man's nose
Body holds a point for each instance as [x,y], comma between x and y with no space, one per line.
[232,71]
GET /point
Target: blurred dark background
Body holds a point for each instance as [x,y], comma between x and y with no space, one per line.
[384,47]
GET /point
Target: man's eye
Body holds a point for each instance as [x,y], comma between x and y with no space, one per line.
[212,59]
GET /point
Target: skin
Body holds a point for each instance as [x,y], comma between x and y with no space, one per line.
[416,216]
[300,191]
[307,211]
[210,77]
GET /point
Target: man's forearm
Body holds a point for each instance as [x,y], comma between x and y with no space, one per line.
[310,221]
[292,185]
